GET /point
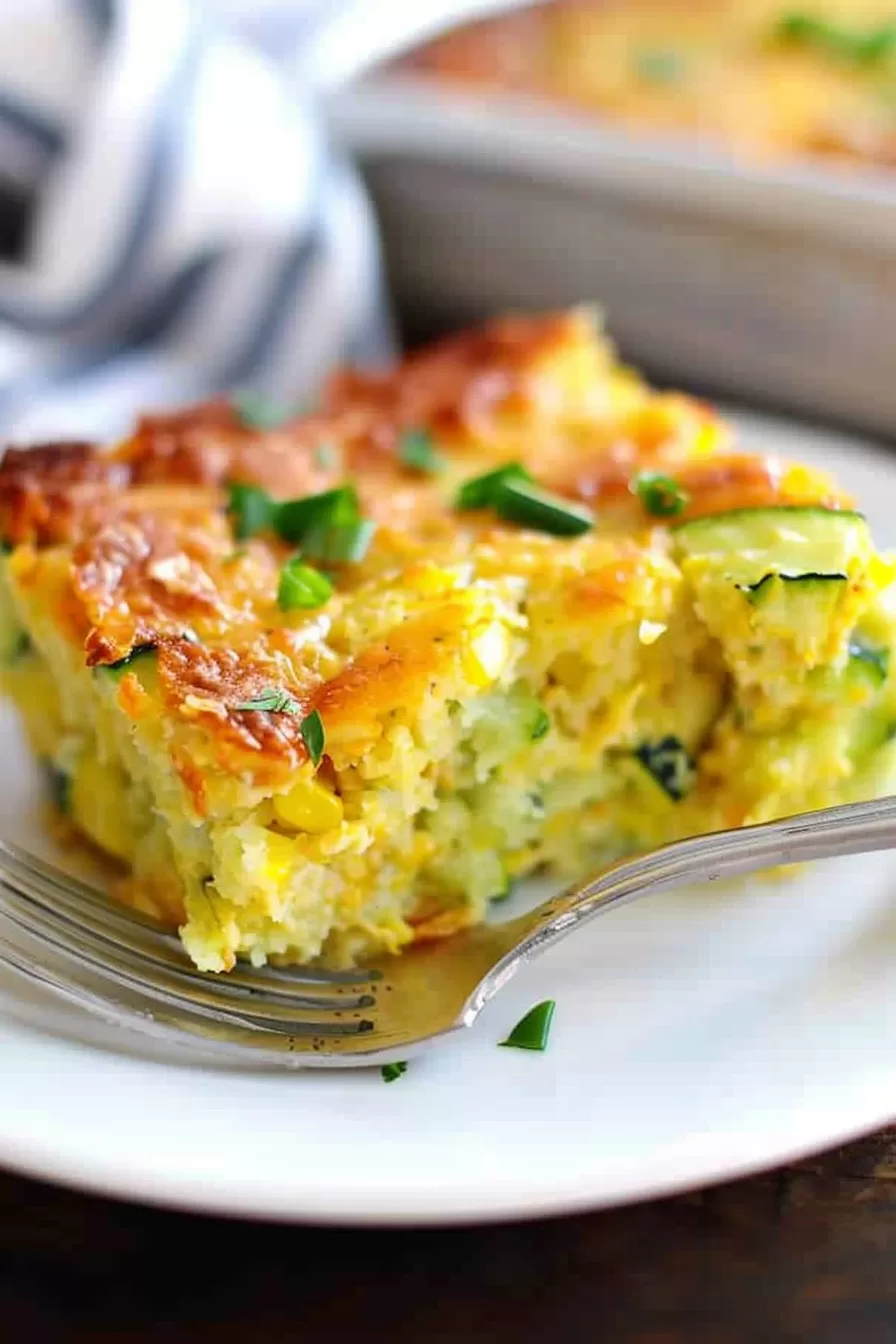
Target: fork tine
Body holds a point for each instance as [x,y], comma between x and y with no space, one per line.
[179,988]
[90,909]
[179,1029]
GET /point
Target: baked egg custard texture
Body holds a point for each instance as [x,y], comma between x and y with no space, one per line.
[326,686]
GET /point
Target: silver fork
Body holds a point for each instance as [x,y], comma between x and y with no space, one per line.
[68,937]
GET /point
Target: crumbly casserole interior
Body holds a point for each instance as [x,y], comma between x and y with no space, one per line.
[294,757]
[764,78]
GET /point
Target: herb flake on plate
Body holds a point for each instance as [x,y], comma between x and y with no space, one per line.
[533,1031]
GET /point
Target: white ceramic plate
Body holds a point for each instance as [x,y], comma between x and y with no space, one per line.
[698,1036]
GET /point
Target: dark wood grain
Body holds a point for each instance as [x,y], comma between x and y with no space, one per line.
[804,1254]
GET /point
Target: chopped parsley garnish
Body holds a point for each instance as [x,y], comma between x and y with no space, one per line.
[313,735]
[259,412]
[661,496]
[511,492]
[481,491]
[274,700]
[540,726]
[859,46]
[670,765]
[301,587]
[659,65]
[532,1031]
[327,526]
[390,1072]
[417,451]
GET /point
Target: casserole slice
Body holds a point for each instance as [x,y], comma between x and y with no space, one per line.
[325,686]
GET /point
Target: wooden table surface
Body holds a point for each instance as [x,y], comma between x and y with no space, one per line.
[803,1254]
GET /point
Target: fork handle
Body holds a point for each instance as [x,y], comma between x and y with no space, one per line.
[851,828]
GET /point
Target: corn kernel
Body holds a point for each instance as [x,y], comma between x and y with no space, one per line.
[279,859]
[711,437]
[431,580]
[487,654]
[650,631]
[308,807]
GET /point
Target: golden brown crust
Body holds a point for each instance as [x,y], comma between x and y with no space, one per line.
[151,557]
[139,579]
[206,685]
[42,489]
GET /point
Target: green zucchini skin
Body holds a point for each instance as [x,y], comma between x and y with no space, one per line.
[758,592]
[670,764]
[116,670]
[767,513]
[868,663]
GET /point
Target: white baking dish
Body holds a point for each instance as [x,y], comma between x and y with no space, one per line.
[777,284]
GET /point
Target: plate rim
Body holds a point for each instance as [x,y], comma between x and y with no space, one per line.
[199,1196]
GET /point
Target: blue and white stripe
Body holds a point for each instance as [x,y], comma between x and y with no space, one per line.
[187,226]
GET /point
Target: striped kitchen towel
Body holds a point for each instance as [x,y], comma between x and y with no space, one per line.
[173,220]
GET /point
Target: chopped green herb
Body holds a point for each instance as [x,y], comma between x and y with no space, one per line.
[417,451]
[340,543]
[532,1032]
[259,412]
[867,46]
[513,495]
[327,526]
[392,1071]
[296,518]
[540,726]
[313,735]
[660,65]
[481,491]
[661,496]
[252,510]
[274,700]
[520,502]
[325,456]
[235,555]
[301,587]
[670,765]
[6,547]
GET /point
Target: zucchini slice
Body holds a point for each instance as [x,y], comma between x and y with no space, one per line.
[799,543]
[782,589]
[117,670]
[670,765]
[868,663]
